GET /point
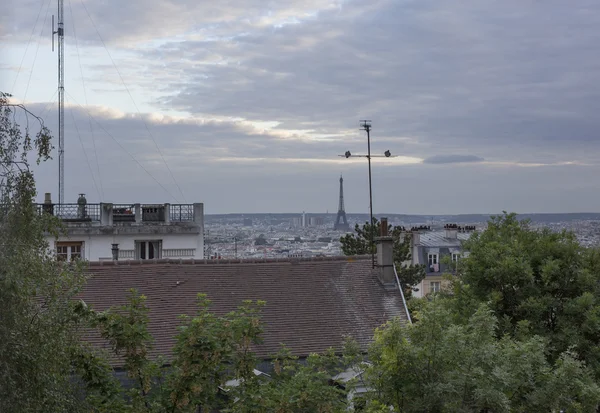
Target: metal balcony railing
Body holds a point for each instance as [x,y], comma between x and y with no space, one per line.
[121,213]
[181,212]
[72,212]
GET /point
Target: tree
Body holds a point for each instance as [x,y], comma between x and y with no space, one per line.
[438,365]
[360,244]
[260,240]
[212,366]
[294,387]
[39,322]
[537,282]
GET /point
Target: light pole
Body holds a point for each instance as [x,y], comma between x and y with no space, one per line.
[366,126]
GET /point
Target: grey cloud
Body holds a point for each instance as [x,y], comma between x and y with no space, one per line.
[453,76]
[142,21]
[446,159]
[265,186]
[507,80]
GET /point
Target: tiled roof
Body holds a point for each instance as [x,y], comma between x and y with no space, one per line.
[438,239]
[311,303]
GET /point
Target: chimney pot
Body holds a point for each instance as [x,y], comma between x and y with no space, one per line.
[115,252]
[384,227]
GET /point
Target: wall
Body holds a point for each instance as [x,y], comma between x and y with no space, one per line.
[425,285]
[97,247]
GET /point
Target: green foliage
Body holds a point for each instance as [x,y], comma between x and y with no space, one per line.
[39,322]
[101,389]
[438,365]
[294,387]
[360,244]
[537,282]
[211,350]
[126,329]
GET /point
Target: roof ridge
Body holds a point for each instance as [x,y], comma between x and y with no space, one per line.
[193,261]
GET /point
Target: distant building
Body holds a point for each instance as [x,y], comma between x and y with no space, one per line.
[247,222]
[107,231]
[433,249]
[305,221]
[315,221]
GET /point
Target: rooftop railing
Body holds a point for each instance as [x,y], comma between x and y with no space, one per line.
[181,212]
[120,213]
[123,213]
[73,212]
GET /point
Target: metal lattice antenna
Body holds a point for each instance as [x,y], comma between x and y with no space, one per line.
[366,126]
[60,32]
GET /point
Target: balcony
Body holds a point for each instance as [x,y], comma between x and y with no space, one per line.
[109,214]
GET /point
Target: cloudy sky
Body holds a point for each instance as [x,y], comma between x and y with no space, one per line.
[245,104]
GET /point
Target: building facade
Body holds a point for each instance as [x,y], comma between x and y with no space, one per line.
[440,252]
[107,231]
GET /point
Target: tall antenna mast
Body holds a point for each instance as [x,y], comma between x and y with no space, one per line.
[61,99]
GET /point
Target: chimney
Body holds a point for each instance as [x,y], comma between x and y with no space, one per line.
[81,207]
[416,237]
[115,252]
[48,207]
[451,231]
[385,256]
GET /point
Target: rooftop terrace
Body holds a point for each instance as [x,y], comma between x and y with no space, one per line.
[106,213]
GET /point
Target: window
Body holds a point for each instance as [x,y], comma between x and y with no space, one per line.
[69,251]
[62,252]
[432,260]
[435,286]
[455,257]
[148,250]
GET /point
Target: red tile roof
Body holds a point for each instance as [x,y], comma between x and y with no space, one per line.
[311,303]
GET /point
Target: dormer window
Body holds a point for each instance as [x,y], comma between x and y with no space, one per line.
[433,262]
[455,257]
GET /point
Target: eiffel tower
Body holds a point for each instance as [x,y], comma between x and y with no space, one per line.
[341,223]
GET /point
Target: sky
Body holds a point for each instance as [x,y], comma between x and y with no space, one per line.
[245,105]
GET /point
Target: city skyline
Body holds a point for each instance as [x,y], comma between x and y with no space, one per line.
[488,105]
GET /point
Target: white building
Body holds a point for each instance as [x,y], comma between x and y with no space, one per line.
[106,231]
